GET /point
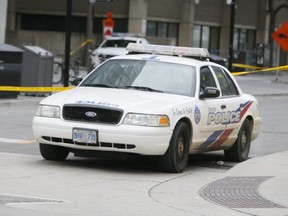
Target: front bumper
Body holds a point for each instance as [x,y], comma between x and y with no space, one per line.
[115,138]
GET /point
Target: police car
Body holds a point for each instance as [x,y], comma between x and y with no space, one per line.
[161,101]
[113,46]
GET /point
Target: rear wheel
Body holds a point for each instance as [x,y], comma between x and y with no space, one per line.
[240,149]
[176,157]
[51,152]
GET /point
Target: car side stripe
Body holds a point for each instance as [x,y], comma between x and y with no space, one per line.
[224,136]
[211,138]
[246,107]
[217,138]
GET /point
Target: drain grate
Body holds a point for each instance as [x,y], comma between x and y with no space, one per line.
[238,192]
[7,198]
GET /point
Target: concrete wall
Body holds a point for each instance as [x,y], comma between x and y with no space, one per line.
[210,11]
[251,14]
[138,17]
[80,7]
[165,10]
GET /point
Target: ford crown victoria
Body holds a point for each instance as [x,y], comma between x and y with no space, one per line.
[160,101]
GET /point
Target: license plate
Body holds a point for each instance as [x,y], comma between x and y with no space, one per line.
[84,136]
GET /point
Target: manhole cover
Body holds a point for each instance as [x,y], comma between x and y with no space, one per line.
[238,192]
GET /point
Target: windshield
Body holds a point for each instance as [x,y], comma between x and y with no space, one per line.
[145,75]
[117,43]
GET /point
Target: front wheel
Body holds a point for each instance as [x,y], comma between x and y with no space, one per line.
[176,157]
[240,149]
[51,152]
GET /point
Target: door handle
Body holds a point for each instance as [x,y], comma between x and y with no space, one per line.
[223,106]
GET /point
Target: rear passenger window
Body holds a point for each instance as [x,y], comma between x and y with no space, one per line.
[227,85]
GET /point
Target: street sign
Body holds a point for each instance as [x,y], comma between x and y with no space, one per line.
[108,25]
[281,36]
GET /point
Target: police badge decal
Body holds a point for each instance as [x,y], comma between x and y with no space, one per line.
[197,115]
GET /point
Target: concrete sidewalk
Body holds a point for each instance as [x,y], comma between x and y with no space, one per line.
[257,186]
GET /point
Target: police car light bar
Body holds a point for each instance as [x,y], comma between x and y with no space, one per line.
[167,50]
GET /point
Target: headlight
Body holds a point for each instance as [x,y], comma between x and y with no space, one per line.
[147,120]
[48,111]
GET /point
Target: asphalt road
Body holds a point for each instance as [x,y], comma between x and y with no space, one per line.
[30,185]
[16,119]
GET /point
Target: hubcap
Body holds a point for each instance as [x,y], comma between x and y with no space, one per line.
[180,149]
[244,140]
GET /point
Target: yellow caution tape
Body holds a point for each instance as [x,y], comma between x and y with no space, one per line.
[34,89]
[246,66]
[285,67]
[81,45]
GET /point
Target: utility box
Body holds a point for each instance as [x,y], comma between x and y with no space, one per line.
[37,67]
[10,68]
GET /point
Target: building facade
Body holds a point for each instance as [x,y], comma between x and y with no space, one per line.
[199,23]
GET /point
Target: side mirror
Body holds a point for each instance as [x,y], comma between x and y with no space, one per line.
[75,80]
[210,92]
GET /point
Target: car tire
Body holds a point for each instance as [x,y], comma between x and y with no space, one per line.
[51,152]
[240,150]
[176,157]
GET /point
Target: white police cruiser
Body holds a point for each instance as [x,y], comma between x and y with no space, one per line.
[163,103]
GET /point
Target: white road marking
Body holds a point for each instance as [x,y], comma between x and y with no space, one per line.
[29,199]
[17,141]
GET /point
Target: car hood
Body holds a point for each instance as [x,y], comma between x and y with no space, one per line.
[127,99]
[111,51]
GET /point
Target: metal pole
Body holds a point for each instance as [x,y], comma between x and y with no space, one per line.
[67,42]
[231,38]
[89,46]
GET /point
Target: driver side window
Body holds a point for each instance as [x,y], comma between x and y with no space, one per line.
[206,79]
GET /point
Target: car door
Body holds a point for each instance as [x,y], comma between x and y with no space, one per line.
[209,127]
[233,105]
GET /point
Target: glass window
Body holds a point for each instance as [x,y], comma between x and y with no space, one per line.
[151,29]
[206,37]
[214,39]
[197,36]
[162,29]
[117,43]
[244,39]
[206,78]
[227,85]
[39,22]
[173,30]
[144,75]
[235,39]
